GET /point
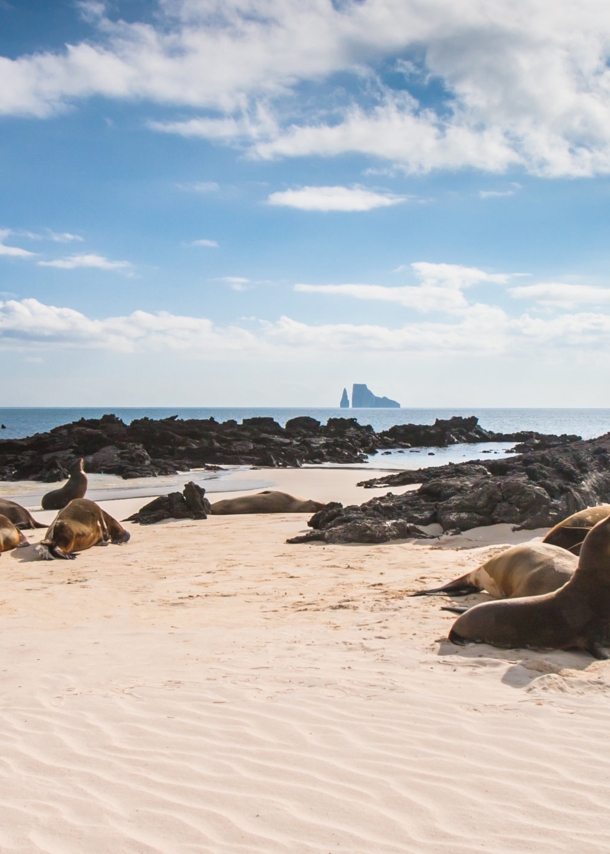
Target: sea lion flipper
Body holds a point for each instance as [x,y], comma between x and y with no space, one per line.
[596,651]
[454,588]
[455,609]
[458,640]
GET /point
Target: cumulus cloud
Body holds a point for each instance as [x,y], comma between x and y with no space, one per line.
[71,262]
[440,287]
[480,329]
[522,82]
[564,295]
[334,199]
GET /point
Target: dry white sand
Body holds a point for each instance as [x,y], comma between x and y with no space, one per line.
[209,688]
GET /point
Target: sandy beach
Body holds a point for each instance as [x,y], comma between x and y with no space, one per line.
[208,688]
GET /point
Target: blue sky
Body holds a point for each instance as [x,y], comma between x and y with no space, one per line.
[257,202]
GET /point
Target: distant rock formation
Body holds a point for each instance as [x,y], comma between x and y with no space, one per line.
[344,400]
[363,398]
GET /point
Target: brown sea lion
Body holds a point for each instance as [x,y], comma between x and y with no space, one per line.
[18,515]
[570,533]
[76,487]
[577,616]
[265,502]
[526,570]
[10,536]
[79,526]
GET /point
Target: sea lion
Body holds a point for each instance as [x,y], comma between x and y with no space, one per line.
[570,533]
[79,526]
[76,487]
[18,515]
[577,616]
[10,535]
[525,570]
[265,502]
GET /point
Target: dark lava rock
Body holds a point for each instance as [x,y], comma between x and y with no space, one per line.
[190,504]
[533,490]
[149,447]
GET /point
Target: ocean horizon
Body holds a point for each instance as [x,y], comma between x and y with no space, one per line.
[588,423]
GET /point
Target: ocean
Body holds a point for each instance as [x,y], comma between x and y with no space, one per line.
[587,423]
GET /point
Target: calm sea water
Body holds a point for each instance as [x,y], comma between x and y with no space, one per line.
[587,423]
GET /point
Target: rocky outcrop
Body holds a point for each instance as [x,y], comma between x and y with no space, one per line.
[363,397]
[189,504]
[344,404]
[534,490]
[148,447]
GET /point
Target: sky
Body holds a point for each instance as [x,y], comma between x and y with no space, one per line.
[259,202]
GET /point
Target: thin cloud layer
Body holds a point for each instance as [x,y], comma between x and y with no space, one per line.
[520,82]
[334,199]
[72,262]
[440,287]
[564,295]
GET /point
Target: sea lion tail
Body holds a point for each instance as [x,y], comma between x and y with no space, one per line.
[43,551]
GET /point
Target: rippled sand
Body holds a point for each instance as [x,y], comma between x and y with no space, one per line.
[208,688]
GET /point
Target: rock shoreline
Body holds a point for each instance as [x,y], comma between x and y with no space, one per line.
[536,489]
[148,447]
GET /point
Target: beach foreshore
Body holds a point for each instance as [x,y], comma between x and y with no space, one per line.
[207,687]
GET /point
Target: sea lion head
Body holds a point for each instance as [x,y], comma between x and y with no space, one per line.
[77,466]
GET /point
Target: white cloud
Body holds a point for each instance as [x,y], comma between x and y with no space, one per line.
[440,287]
[212,244]
[527,82]
[480,329]
[14,251]
[71,262]
[64,237]
[334,199]
[420,298]
[61,237]
[563,295]
[237,283]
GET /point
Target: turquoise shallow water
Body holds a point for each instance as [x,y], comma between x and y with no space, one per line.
[587,423]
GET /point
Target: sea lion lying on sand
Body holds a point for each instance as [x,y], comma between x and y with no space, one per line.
[79,526]
[577,616]
[18,515]
[10,536]
[265,502]
[525,570]
[570,533]
[76,487]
